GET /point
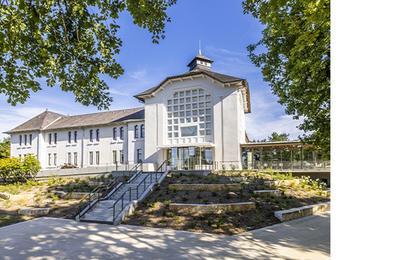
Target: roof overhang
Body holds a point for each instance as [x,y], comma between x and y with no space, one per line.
[280,144]
[241,84]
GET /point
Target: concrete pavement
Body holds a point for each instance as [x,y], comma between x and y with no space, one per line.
[52,238]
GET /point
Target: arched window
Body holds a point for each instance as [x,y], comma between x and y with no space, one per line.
[121,133]
[90,135]
[136,131]
[142,131]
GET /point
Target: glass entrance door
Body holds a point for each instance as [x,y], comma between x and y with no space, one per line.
[190,158]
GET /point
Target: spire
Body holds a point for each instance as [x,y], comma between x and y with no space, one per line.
[200,47]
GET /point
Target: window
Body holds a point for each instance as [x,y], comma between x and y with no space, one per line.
[196,107]
[97,157]
[75,136]
[115,157]
[91,158]
[69,137]
[55,138]
[142,131]
[97,135]
[114,133]
[49,159]
[91,135]
[121,133]
[55,159]
[139,155]
[49,138]
[75,158]
[189,131]
[20,139]
[25,139]
[20,157]
[69,158]
[121,156]
[136,131]
[30,139]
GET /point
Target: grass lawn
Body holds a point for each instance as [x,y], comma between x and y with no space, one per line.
[154,211]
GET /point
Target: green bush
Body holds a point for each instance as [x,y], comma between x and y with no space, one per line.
[17,170]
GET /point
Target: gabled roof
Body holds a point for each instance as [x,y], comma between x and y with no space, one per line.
[100,118]
[222,78]
[50,121]
[37,123]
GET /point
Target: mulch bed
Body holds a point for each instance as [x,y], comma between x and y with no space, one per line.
[154,212]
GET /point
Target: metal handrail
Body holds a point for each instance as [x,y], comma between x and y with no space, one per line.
[161,165]
[121,198]
[108,187]
[149,174]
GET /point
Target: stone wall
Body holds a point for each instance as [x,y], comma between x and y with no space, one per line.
[211,208]
[289,214]
[206,187]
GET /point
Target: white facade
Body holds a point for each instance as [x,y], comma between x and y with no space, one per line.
[83,151]
[226,131]
[195,119]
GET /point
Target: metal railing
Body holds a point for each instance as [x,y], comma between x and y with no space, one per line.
[138,191]
[105,191]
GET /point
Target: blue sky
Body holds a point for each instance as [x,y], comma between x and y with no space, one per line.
[224,32]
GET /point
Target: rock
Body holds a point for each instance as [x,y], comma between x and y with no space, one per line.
[34,211]
[232,194]
[60,193]
[269,192]
[4,196]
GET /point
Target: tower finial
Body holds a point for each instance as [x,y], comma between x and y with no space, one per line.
[199,47]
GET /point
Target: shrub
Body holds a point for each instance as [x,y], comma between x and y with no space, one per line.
[30,166]
[16,170]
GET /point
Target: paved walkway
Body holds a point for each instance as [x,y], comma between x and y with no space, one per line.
[51,238]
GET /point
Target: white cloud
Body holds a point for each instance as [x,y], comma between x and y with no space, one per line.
[231,62]
[259,128]
[268,116]
[15,116]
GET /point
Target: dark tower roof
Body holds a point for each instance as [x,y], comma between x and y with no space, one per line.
[200,62]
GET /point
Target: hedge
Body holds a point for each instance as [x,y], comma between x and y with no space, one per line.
[19,170]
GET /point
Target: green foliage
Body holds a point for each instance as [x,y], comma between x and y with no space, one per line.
[307,183]
[275,137]
[16,170]
[30,166]
[69,44]
[5,148]
[294,54]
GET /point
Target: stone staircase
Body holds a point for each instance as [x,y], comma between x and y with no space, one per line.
[118,203]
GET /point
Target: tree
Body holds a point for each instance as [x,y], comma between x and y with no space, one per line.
[294,54]
[69,44]
[5,148]
[275,137]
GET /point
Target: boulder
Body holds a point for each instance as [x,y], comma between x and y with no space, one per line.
[4,196]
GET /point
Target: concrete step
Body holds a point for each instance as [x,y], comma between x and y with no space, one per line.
[103,210]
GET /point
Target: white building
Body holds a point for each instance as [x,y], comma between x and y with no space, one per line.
[196,120]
